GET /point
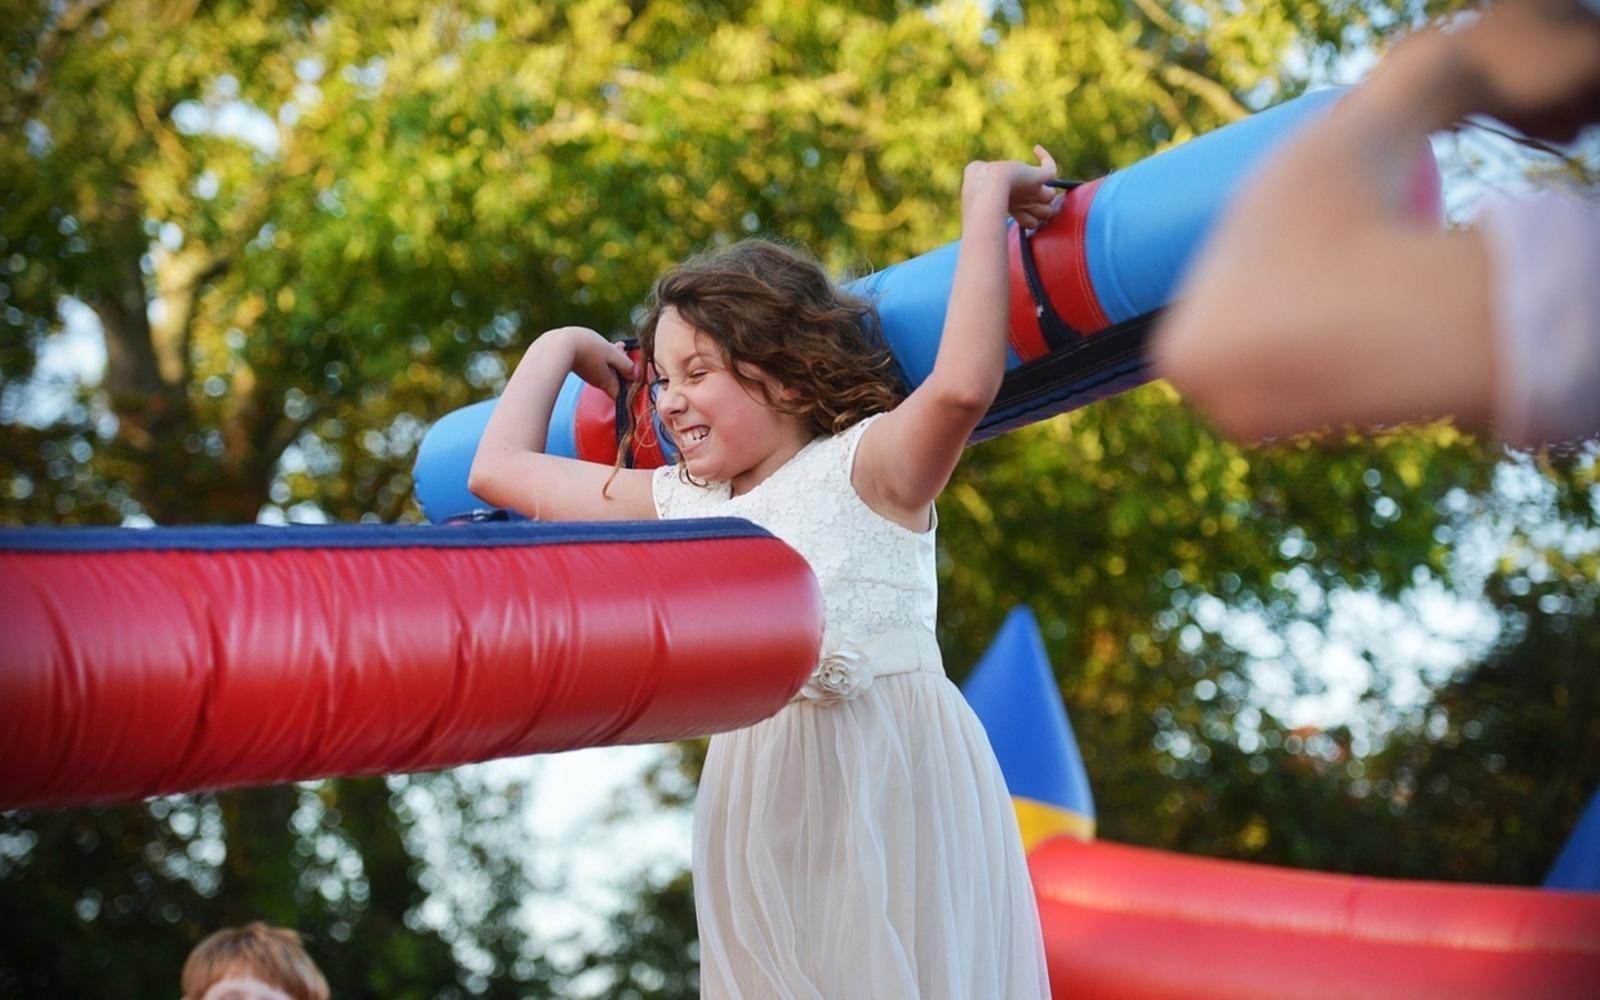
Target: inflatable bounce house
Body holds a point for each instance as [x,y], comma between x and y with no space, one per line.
[148,662]
[1136,923]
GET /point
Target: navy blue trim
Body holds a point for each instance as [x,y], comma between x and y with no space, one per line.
[257,537]
[1071,397]
[1064,379]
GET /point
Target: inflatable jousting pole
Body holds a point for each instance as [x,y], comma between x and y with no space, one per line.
[139,663]
[1085,290]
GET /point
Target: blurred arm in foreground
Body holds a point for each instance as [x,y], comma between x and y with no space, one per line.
[1323,301]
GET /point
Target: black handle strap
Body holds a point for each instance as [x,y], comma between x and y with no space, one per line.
[624,418]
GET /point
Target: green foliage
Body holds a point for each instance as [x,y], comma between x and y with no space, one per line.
[107,902]
[304,223]
[308,229]
[655,954]
[1485,782]
[1138,536]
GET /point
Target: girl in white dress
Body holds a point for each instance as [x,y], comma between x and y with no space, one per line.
[861,842]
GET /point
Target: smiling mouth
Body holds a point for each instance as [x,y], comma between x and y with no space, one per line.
[692,436]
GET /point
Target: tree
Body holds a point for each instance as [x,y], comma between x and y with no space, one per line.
[1487,780]
[656,954]
[304,230]
[319,226]
[107,902]
[1162,540]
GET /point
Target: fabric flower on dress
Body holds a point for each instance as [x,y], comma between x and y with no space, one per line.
[843,674]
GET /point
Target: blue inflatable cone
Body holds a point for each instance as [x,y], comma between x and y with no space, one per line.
[1014,693]
[1578,864]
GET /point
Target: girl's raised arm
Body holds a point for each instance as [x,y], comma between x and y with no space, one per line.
[510,468]
[905,459]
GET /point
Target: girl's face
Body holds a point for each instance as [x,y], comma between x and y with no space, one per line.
[724,431]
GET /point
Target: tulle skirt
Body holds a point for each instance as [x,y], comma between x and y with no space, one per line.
[864,848]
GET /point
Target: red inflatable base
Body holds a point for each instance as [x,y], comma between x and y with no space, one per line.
[1136,924]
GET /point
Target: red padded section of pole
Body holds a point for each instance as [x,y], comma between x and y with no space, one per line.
[1025,333]
[1063,266]
[1138,924]
[646,446]
[127,674]
[594,430]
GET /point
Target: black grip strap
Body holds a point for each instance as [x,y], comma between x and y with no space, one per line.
[623,421]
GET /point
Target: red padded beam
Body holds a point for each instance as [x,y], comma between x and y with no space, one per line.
[1138,924]
[594,426]
[1061,255]
[131,673]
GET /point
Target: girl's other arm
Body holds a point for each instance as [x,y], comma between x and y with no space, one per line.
[1318,301]
[906,458]
[510,468]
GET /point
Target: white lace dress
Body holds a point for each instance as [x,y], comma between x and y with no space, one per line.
[861,842]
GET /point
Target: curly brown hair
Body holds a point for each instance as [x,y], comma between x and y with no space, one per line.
[773,310]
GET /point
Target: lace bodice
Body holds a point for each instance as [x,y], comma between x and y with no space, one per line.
[876,576]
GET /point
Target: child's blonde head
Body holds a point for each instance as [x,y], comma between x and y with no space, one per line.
[269,955]
[772,309]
